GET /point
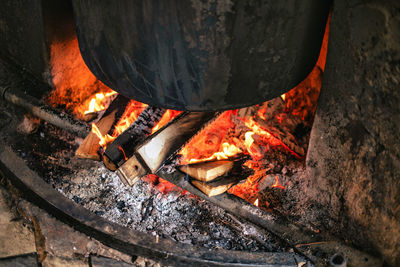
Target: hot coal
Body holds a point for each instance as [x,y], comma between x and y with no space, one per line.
[175,214]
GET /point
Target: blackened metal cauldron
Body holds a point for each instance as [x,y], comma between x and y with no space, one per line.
[200,55]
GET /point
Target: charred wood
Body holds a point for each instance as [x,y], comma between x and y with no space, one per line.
[119,105]
[124,146]
[285,137]
[152,153]
[90,145]
[218,187]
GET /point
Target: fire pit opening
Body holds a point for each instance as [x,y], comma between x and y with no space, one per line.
[248,179]
[262,146]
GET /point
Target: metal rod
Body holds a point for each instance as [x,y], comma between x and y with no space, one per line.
[40,110]
[124,239]
[284,230]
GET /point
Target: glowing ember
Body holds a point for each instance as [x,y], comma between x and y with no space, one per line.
[167,117]
[256,202]
[131,113]
[160,184]
[228,150]
[203,146]
[270,139]
[276,184]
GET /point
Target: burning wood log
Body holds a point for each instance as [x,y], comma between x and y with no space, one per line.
[90,145]
[124,146]
[272,117]
[149,155]
[284,136]
[207,171]
[216,187]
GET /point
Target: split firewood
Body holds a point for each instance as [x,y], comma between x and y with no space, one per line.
[90,145]
[125,144]
[216,187]
[207,171]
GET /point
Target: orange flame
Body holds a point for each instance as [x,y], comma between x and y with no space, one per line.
[302,100]
[167,117]
[209,140]
[130,114]
[74,83]
[97,132]
[99,102]
[269,138]
[228,150]
[256,202]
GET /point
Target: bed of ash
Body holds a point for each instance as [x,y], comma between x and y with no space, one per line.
[175,214]
[148,207]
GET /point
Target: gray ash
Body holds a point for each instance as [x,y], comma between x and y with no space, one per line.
[178,215]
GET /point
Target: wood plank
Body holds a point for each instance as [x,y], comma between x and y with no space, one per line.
[90,145]
[123,147]
[207,171]
[216,187]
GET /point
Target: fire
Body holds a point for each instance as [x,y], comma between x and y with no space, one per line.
[74,83]
[277,184]
[99,102]
[79,91]
[130,114]
[302,100]
[97,132]
[228,150]
[256,202]
[167,117]
[203,146]
[269,138]
[248,140]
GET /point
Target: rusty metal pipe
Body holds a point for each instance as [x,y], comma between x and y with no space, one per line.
[40,110]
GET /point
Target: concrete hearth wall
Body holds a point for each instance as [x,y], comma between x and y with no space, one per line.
[353,161]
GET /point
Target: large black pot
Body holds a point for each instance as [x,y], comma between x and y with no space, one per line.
[200,55]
